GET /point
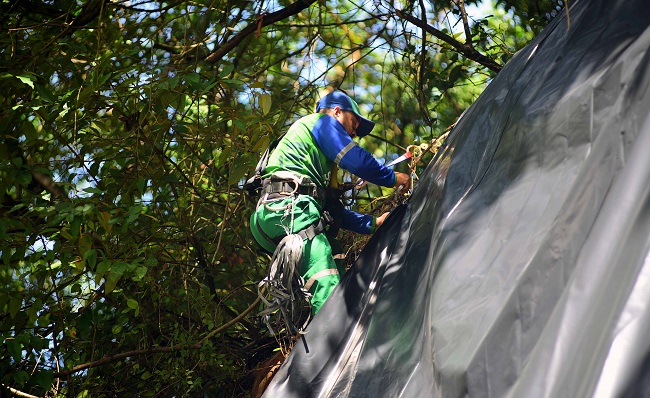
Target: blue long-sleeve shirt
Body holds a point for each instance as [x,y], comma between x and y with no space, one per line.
[313,144]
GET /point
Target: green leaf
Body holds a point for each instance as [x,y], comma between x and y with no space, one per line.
[111,281]
[24,179]
[233,82]
[140,272]
[94,169]
[170,83]
[192,78]
[33,309]
[237,173]
[91,258]
[28,129]
[265,103]
[262,143]
[240,124]
[142,184]
[84,394]
[103,78]
[27,79]
[133,304]
[226,70]
[45,93]
[15,349]
[44,379]
[181,127]
[21,377]
[102,268]
[75,226]
[14,306]
[133,213]
[94,190]
[151,262]
[114,276]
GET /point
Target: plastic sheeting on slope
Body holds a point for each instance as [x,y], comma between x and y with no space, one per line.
[520,267]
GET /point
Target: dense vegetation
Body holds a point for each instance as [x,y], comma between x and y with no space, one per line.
[127,267]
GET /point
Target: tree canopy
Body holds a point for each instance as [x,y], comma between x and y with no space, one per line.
[128,126]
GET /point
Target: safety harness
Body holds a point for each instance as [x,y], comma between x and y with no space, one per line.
[283,291]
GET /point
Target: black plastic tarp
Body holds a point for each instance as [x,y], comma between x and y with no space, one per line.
[520,266]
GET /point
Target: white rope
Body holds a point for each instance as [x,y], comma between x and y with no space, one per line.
[287,303]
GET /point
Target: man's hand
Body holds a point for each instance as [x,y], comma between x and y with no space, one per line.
[380,219]
[402,179]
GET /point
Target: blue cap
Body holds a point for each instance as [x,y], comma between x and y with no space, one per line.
[340,99]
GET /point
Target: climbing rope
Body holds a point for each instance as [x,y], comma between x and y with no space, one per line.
[287,304]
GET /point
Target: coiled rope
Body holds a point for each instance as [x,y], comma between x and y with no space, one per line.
[287,303]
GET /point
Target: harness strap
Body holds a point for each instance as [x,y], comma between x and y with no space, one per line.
[320,274]
[307,233]
[311,231]
[277,188]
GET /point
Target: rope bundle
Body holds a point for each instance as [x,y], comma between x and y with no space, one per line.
[287,303]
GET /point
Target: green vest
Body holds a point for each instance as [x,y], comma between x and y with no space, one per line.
[297,152]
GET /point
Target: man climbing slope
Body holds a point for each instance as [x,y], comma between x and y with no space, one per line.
[294,188]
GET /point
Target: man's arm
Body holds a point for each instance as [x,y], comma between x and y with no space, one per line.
[364,224]
[337,146]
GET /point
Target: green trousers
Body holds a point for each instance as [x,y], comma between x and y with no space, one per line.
[319,270]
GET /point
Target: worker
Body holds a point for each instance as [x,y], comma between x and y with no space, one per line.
[294,188]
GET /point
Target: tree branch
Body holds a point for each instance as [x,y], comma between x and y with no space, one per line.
[19,393]
[463,13]
[465,49]
[262,21]
[157,350]
[49,185]
[89,12]
[423,66]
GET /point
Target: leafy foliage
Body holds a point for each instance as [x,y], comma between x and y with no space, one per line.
[128,126]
